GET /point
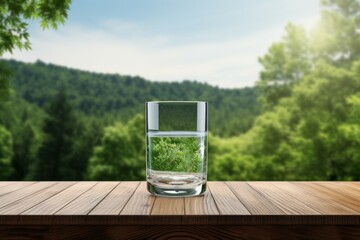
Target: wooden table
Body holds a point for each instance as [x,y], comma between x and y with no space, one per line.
[125,210]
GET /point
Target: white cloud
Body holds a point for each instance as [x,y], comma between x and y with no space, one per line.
[227,63]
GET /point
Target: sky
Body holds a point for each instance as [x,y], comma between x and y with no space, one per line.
[213,41]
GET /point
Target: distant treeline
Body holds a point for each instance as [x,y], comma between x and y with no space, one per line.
[232,111]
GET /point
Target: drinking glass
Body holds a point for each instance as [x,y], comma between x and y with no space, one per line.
[176,147]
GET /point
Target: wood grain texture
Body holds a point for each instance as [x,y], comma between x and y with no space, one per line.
[57,202]
[324,207]
[325,194]
[226,201]
[168,206]
[201,205]
[3,184]
[284,201]
[349,191]
[254,201]
[87,201]
[26,203]
[355,185]
[115,201]
[23,192]
[164,232]
[13,187]
[140,203]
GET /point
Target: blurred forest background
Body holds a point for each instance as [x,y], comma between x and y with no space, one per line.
[300,122]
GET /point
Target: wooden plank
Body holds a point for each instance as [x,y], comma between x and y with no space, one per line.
[255,202]
[111,232]
[355,185]
[327,206]
[3,184]
[349,191]
[346,189]
[168,206]
[13,187]
[53,204]
[201,205]
[140,203]
[226,201]
[326,193]
[26,203]
[282,200]
[23,192]
[113,203]
[87,201]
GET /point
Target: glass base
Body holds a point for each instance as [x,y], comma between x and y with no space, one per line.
[176,191]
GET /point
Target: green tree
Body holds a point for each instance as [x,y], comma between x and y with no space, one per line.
[84,144]
[13,27]
[24,150]
[23,120]
[323,102]
[310,135]
[5,154]
[337,38]
[55,157]
[4,82]
[121,154]
[284,65]
[13,14]
[350,133]
[227,161]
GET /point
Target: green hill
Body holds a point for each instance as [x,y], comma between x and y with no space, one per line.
[120,97]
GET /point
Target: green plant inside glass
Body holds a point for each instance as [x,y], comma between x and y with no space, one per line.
[180,154]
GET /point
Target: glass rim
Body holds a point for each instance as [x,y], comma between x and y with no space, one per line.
[176,102]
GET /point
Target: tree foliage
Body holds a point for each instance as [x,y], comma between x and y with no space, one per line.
[55,157]
[284,65]
[23,120]
[337,37]
[13,16]
[5,153]
[14,28]
[121,154]
[4,82]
